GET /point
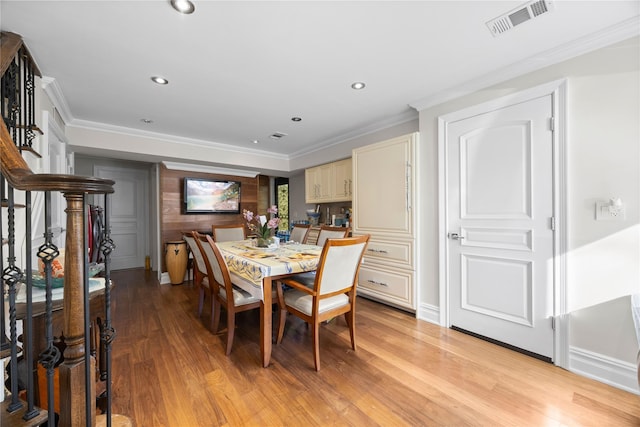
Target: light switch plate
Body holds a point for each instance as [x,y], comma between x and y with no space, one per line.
[603,213]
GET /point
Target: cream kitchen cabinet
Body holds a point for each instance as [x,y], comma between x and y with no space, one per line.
[318,184]
[384,206]
[391,286]
[342,181]
[330,182]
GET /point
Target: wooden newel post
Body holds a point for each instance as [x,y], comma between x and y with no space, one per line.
[72,370]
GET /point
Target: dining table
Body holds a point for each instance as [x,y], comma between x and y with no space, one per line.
[255,269]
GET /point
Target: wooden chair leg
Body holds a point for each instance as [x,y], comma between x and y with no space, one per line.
[215,314]
[282,313]
[316,345]
[282,320]
[231,328]
[351,322]
[200,301]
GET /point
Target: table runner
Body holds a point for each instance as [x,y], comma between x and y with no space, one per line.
[249,265]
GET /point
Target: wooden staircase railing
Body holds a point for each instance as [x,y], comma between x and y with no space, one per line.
[77,383]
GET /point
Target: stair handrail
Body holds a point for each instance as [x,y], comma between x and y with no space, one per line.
[18,175]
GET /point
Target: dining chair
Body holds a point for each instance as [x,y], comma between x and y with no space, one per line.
[332,292]
[326,232]
[224,292]
[228,232]
[299,233]
[329,232]
[200,276]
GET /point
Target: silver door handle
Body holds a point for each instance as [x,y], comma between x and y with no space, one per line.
[455,236]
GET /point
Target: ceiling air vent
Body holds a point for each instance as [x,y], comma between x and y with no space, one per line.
[517,16]
[277,135]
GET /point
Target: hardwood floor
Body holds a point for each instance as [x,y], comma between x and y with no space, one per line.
[170,370]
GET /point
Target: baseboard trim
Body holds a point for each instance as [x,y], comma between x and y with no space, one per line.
[429,313]
[165,279]
[616,373]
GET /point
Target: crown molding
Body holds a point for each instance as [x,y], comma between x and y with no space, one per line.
[53,91]
[85,124]
[603,38]
[379,125]
[404,117]
[190,167]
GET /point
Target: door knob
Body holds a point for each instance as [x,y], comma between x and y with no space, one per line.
[455,236]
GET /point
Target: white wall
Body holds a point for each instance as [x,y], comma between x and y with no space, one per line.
[603,150]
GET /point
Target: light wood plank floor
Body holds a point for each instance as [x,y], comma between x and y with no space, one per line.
[170,370]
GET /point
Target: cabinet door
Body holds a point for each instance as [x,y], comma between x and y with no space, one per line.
[394,253]
[324,179]
[311,187]
[384,194]
[388,285]
[318,184]
[342,181]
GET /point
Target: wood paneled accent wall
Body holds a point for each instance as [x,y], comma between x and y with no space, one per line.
[173,222]
[263,194]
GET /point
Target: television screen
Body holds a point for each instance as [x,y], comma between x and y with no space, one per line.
[211,196]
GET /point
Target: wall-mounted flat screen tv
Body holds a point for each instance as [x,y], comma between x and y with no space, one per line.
[205,196]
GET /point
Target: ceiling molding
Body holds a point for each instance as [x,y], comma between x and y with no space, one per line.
[611,35]
[366,130]
[57,98]
[209,169]
[53,91]
[85,124]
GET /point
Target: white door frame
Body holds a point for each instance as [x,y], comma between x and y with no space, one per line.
[558,91]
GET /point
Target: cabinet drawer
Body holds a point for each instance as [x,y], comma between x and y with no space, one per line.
[391,253]
[395,287]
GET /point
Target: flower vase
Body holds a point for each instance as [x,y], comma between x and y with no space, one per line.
[264,242]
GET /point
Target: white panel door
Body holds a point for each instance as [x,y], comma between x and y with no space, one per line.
[129,215]
[499,209]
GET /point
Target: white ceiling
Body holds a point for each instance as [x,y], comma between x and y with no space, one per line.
[239,71]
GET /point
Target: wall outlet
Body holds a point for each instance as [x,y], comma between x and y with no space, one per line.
[604,213]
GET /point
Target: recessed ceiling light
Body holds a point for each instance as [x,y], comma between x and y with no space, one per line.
[255,141]
[183,6]
[159,80]
[358,85]
[147,121]
[296,119]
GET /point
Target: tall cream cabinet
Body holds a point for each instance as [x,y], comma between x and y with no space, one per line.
[384,195]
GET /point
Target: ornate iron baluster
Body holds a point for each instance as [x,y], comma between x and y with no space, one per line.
[87,308]
[28,322]
[108,333]
[29,85]
[10,93]
[49,357]
[5,344]
[11,275]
